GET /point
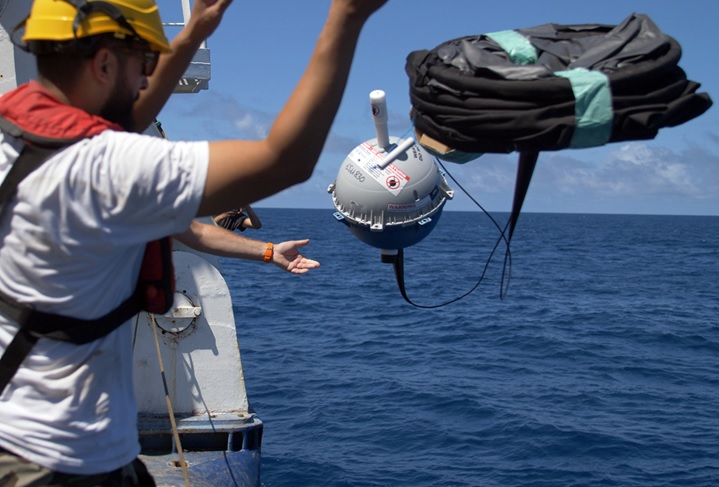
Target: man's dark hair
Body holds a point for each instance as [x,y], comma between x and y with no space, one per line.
[62,60]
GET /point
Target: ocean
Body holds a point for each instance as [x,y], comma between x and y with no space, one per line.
[598,365]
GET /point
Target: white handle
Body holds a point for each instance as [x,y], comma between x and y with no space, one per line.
[378,102]
[399,150]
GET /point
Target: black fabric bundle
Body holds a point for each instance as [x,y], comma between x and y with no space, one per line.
[469,95]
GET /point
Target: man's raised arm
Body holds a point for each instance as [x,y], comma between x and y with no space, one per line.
[242,172]
[206,16]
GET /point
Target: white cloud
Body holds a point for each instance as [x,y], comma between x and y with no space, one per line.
[248,124]
[630,177]
[636,177]
[213,115]
[633,170]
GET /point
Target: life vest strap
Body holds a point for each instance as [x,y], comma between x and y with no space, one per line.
[154,291]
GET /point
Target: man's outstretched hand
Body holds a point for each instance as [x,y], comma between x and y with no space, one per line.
[287,256]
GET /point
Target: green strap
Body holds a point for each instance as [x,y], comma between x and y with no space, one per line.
[592,107]
[520,50]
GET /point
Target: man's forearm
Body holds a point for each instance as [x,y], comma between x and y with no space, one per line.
[288,155]
[206,16]
[161,85]
[215,240]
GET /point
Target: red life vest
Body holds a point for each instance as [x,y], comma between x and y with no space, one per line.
[47,125]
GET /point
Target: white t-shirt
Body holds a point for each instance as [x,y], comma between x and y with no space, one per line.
[72,244]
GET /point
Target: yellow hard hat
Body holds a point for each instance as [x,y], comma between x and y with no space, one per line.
[66,20]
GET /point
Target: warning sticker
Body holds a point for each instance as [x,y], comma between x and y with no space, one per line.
[409,207]
[392,178]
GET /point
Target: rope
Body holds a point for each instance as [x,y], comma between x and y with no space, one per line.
[175,433]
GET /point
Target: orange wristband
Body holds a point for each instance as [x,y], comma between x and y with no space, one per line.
[269,251]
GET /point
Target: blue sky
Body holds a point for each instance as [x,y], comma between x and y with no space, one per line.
[260,51]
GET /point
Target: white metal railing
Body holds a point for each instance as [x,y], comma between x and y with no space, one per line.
[197,75]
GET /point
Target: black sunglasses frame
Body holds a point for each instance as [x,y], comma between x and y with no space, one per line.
[149,58]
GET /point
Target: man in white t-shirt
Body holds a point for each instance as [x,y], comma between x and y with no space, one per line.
[74,235]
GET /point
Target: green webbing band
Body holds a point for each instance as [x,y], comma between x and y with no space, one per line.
[520,50]
[592,107]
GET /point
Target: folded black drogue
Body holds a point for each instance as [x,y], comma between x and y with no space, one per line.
[552,87]
[547,88]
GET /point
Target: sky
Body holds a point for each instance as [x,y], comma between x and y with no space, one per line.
[260,50]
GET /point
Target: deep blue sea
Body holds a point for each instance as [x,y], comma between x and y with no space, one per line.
[600,366]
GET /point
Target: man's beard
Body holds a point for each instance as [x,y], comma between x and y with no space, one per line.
[118,108]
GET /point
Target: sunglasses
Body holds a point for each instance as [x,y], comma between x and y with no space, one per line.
[149,58]
[149,62]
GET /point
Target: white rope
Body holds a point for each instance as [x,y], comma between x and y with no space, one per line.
[175,433]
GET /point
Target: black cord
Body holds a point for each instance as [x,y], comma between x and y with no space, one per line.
[398,261]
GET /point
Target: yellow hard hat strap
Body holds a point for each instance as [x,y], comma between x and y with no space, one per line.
[85,8]
[13,35]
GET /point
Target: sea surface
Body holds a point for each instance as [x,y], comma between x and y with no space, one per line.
[599,365]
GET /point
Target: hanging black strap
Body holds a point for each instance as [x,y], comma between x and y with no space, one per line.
[525,169]
[398,265]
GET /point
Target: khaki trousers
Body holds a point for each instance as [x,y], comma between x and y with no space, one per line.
[17,472]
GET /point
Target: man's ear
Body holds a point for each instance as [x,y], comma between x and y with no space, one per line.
[104,63]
